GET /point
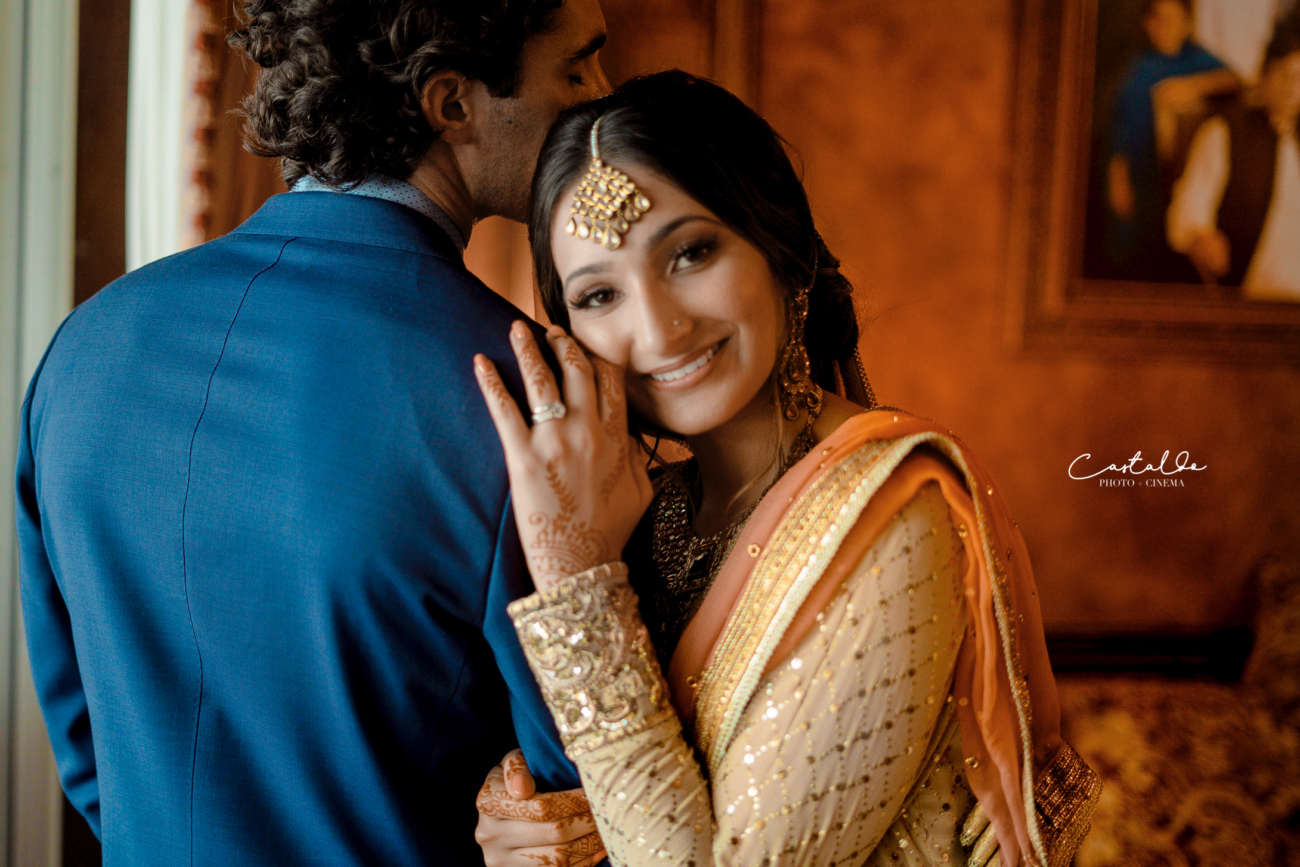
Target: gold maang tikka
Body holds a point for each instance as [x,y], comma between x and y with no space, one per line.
[607,202]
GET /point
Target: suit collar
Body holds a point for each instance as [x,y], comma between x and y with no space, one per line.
[351,220]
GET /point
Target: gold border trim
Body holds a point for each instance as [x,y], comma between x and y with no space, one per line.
[1065,797]
[803,545]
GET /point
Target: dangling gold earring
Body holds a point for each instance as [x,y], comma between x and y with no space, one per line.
[794,377]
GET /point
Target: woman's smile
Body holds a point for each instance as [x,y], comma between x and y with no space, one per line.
[679,376]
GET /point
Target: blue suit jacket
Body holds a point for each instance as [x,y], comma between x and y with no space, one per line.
[266,548]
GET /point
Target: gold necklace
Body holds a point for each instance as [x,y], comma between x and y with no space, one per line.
[688,563]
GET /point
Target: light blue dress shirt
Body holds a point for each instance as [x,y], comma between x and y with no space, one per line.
[391,190]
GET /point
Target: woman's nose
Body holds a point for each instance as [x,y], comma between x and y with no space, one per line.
[664,325]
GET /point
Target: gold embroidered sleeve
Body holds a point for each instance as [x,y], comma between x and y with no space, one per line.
[591,655]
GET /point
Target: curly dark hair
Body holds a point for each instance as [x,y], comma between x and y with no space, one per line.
[339,95]
[729,159]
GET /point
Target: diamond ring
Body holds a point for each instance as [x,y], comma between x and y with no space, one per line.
[549,412]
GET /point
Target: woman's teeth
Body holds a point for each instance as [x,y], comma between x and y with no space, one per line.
[686,369]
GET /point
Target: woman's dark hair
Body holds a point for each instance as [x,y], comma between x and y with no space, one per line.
[700,137]
[339,97]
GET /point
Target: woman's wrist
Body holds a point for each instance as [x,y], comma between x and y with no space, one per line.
[607,574]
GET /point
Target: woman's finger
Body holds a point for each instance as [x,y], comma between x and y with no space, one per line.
[579,378]
[567,854]
[591,860]
[501,406]
[521,833]
[975,823]
[613,395]
[494,800]
[575,828]
[986,847]
[539,382]
[526,834]
[519,780]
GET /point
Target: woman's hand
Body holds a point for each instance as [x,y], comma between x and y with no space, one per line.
[578,486]
[978,835]
[517,827]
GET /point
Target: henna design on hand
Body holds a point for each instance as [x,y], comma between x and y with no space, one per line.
[562,807]
[535,371]
[496,388]
[615,428]
[513,765]
[566,853]
[573,354]
[562,545]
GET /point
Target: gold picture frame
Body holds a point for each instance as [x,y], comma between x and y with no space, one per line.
[1051,305]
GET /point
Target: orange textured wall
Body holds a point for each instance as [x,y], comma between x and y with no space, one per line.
[901,110]
[649,35]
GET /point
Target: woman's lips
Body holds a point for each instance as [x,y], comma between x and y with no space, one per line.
[686,375]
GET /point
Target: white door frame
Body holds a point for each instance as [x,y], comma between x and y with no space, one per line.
[38,149]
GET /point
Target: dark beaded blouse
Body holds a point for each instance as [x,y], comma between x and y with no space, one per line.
[669,593]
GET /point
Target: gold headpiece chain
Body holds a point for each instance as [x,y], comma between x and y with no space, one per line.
[607,202]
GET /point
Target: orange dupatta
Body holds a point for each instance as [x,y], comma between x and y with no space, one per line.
[763,602]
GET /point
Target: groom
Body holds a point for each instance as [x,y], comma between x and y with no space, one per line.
[265,538]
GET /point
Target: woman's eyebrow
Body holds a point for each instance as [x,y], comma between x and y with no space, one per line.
[664,231]
[655,240]
[586,269]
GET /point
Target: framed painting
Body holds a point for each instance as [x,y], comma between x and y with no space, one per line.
[1122,241]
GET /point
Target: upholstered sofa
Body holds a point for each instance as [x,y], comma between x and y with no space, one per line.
[1198,773]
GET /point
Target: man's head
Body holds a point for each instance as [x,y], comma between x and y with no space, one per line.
[1279,84]
[352,88]
[1168,24]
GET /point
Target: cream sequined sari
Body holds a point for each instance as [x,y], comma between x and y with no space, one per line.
[869,661]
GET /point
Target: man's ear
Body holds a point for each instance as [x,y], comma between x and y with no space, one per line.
[450,104]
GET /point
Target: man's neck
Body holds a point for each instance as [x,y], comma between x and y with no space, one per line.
[438,176]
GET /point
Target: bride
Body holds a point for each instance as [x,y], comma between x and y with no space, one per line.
[837,653]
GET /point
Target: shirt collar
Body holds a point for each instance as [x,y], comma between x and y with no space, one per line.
[391,190]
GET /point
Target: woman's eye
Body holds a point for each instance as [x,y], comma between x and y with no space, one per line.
[693,253]
[597,297]
[577,80]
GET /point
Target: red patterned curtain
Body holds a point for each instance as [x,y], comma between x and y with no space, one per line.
[228,182]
